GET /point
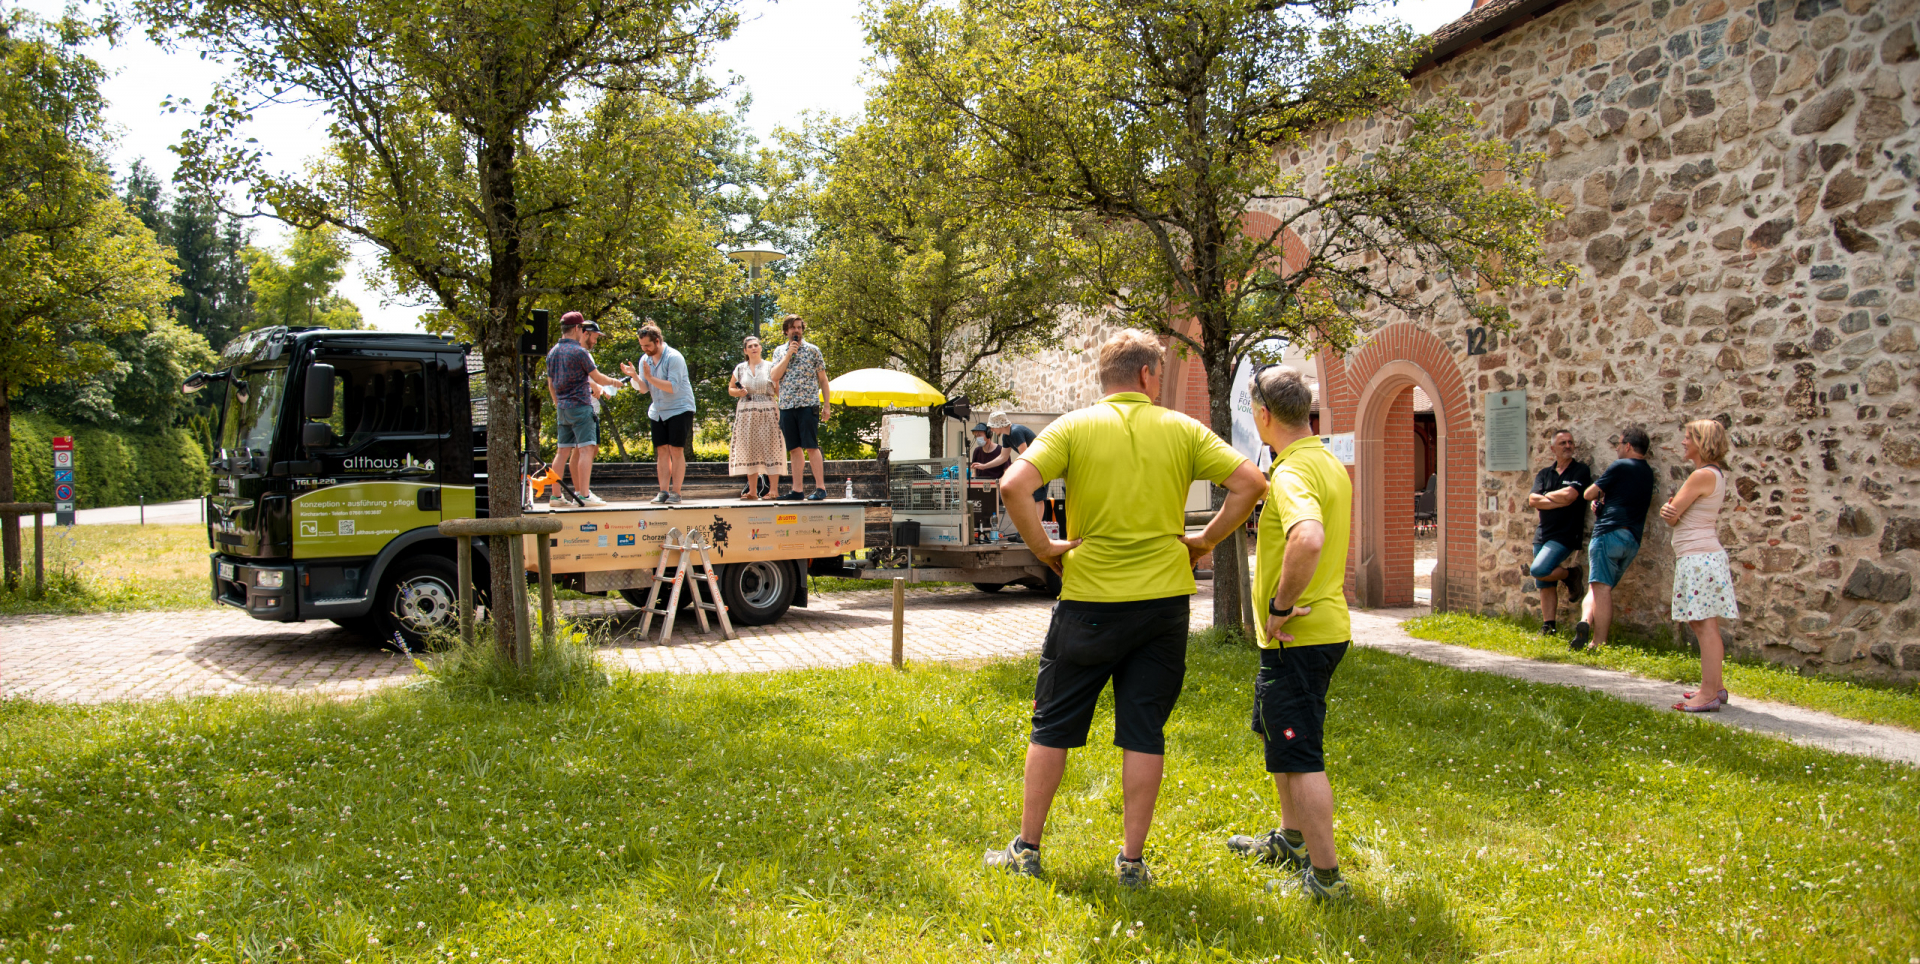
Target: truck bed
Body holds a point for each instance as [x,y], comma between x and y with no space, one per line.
[624,536]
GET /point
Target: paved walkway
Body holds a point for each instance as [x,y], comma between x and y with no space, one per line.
[183,512]
[137,656]
[1381,629]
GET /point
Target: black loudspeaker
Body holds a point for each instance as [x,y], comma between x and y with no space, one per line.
[536,341]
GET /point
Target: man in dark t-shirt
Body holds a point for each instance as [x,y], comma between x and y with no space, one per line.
[1620,498]
[1015,439]
[1557,491]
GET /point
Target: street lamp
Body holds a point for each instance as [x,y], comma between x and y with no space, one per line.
[753,258]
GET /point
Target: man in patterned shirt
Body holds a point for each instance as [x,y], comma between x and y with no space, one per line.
[805,400]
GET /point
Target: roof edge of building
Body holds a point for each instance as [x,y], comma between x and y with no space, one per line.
[1483,23]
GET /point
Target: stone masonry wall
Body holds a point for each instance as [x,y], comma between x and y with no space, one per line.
[1057,380]
[1740,180]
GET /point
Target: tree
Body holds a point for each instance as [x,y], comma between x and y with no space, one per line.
[1164,123]
[299,288]
[907,262]
[206,244]
[495,154]
[77,267]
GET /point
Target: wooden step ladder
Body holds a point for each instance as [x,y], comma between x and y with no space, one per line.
[675,551]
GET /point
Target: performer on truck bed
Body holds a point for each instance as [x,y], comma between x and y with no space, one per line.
[572,382]
[663,372]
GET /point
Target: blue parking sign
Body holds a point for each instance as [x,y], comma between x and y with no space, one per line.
[63,475]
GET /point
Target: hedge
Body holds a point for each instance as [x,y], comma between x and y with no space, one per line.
[111,467]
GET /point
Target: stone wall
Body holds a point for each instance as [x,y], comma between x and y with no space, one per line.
[1740,181]
[1057,380]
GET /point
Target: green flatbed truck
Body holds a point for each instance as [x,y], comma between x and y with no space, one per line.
[340,452]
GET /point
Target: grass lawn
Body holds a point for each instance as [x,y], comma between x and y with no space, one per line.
[841,814]
[95,568]
[1870,701]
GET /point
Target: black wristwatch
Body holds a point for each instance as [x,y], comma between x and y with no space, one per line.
[1278,612]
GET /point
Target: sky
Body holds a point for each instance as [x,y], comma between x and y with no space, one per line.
[790,56]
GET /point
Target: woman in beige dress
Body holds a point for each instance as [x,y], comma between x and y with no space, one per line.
[756,449]
[1702,580]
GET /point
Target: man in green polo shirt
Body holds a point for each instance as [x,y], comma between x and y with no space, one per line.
[1127,575]
[1300,577]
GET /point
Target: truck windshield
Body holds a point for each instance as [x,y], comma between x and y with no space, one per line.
[253,404]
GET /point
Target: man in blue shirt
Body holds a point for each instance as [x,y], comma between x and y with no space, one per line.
[1620,499]
[571,381]
[663,373]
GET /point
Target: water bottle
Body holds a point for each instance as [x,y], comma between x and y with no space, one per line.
[849,488]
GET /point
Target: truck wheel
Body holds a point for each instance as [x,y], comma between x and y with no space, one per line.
[1048,587]
[416,598]
[757,593]
[637,598]
[359,625]
[989,586]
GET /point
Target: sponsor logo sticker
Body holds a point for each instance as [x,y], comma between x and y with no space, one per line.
[785,520]
[624,540]
[603,541]
[589,527]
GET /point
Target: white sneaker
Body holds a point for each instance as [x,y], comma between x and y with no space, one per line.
[593,500]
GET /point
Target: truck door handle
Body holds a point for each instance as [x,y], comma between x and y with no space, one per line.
[428,500]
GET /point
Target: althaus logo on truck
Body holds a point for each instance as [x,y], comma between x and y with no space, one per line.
[362,463]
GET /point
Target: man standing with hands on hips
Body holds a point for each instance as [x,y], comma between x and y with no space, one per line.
[1300,577]
[1127,580]
[805,400]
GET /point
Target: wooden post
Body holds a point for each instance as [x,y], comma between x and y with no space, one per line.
[522,633]
[545,555]
[10,518]
[465,563]
[39,557]
[899,621]
[515,529]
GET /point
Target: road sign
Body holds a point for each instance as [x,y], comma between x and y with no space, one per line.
[63,479]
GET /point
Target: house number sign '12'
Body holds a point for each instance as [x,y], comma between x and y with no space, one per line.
[1477,341]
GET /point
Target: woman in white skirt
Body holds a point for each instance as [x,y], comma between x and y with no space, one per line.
[1702,580]
[756,449]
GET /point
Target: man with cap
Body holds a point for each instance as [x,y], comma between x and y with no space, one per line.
[1013,440]
[571,383]
[989,460]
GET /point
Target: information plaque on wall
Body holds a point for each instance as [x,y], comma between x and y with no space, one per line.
[1506,431]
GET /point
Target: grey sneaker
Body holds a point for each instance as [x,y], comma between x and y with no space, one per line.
[1023,862]
[1133,874]
[1305,884]
[673,498]
[1269,848]
[659,497]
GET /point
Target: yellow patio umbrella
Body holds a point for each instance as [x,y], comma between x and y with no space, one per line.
[883,386]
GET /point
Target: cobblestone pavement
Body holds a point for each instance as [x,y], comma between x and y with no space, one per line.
[138,656]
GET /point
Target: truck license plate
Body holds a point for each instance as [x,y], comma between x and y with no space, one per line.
[226,570]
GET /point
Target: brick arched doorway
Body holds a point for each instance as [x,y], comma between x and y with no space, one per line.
[1369,392]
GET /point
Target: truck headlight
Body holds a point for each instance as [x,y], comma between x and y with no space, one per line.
[269,579]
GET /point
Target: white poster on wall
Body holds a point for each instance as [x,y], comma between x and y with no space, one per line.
[1246,435]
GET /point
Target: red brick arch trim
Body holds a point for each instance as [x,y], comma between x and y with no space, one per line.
[1364,393]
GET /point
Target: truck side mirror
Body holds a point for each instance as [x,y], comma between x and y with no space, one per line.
[315,435]
[319,400]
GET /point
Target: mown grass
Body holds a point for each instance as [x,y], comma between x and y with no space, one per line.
[1869,701]
[841,815]
[99,568]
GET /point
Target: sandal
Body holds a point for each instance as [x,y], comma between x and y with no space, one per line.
[1711,706]
[1724,700]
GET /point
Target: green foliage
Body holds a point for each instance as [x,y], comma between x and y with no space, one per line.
[206,244]
[1746,677]
[111,466]
[840,814]
[297,287]
[477,671]
[906,265]
[139,389]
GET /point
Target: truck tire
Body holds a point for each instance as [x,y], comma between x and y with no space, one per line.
[1048,587]
[989,586]
[758,593]
[637,598]
[359,625]
[416,598]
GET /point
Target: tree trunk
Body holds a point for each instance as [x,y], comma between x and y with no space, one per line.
[1230,576]
[10,527]
[500,351]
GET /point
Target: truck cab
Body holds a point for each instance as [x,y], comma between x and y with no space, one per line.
[338,454]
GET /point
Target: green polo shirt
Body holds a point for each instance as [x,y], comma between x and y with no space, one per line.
[1307,483]
[1128,465]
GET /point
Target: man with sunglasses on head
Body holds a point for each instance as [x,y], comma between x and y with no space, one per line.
[1557,491]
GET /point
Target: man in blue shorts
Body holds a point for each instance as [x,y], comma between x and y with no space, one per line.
[571,377]
[1620,499]
[1562,531]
